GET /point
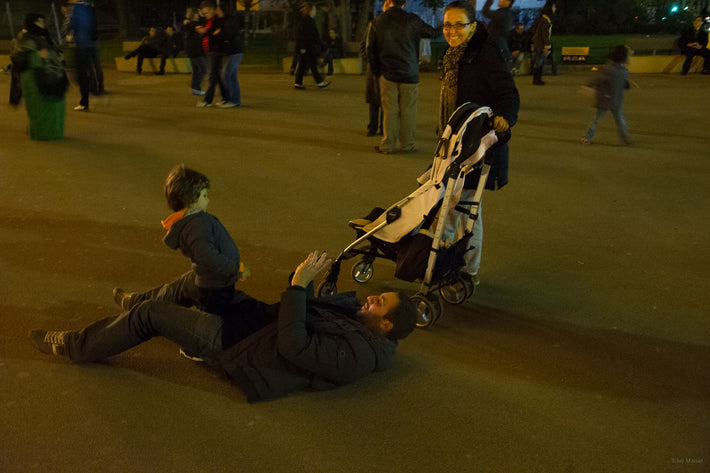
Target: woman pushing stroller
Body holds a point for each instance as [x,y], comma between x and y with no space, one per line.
[474,71]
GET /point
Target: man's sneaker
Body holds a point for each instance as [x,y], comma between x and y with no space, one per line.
[586,141]
[203,104]
[324,84]
[184,354]
[224,104]
[198,92]
[51,343]
[299,86]
[122,298]
[382,151]
[81,108]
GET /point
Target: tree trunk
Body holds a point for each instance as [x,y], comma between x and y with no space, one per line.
[364,9]
[346,30]
[122,8]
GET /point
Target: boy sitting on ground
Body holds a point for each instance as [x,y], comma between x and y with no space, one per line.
[200,236]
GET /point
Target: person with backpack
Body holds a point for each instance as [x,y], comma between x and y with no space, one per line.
[43,79]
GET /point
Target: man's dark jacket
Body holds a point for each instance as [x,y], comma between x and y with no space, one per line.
[519,41]
[231,37]
[315,344]
[193,40]
[307,37]
[485,80]
[393,45]
[691,35]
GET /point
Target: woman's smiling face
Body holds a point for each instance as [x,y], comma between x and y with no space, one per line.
[457,26]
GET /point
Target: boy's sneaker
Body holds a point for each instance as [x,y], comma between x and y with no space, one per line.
[122,298]
[203,104]
[224,104]
[50,343]
[324,84]
[81,108]
[299,87]
[198,92]
[586,141]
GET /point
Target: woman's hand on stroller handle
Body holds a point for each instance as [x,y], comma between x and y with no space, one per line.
[309,268]
[500,124]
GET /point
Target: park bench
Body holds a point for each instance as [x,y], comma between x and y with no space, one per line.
[177,65]
[658,54]
[350,64]
[575,54]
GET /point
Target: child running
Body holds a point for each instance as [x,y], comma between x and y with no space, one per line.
[609,91]
[200,236]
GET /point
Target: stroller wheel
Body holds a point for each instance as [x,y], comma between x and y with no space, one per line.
[326,288]
[427,311]
[457,292]
[362,271]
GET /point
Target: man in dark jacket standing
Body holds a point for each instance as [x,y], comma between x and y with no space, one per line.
[393,54]
[268,350]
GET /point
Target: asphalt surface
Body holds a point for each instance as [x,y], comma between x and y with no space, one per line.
[586,348]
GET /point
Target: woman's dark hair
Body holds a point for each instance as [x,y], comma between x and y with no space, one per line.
[31,18]
[619,54]
[462,5]
[183,187]
[403,317]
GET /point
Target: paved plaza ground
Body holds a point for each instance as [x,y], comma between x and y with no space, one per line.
[586,348]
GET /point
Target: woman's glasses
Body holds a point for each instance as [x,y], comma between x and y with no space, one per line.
[455,26]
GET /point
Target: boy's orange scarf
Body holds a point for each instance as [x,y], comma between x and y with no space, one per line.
[172,218]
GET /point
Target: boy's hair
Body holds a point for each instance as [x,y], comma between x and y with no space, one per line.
[619,54]
[403,317]
[208,4]
[183,187]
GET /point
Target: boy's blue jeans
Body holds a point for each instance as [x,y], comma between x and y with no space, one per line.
[620,124]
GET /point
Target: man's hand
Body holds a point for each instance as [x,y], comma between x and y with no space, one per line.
[306,271]
[500,124]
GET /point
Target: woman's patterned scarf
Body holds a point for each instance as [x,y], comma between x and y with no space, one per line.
[449,81]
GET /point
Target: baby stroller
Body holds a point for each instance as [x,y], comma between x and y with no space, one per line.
[411,231]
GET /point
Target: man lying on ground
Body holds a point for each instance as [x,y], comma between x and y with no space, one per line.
[267,349]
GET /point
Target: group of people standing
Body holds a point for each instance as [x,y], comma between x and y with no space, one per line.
[214,42]
[514,43]
[213,39]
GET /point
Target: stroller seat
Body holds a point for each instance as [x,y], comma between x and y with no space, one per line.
[411,231]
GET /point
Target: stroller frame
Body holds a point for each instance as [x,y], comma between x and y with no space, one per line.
[452,285]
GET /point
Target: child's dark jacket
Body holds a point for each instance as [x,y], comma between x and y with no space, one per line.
[214,255]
